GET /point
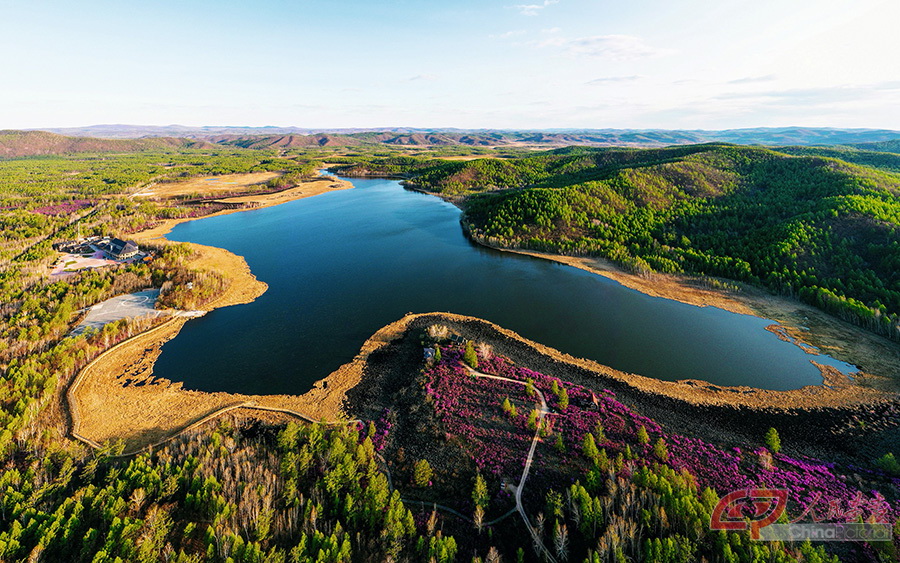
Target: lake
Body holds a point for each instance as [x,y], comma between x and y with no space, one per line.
[343,264]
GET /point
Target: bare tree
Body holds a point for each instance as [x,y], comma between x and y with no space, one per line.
[485,350]
[561,541]
[478,518]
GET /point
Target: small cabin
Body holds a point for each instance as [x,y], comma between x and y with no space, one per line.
[457,339]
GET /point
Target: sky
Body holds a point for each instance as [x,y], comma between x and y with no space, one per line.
[538,64]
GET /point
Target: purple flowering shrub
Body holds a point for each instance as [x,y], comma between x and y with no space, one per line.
[382,428]
[814,486]
[469,411]
[64,207]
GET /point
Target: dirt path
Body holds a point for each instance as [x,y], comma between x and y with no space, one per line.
[118,395]
[528,459]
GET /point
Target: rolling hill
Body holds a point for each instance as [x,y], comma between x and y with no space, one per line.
[812,226]
[15,144]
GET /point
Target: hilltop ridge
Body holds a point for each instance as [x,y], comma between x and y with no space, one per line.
[14,144]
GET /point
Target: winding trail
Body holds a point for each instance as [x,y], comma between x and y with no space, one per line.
[544,411]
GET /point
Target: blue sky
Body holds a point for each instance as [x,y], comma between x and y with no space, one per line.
[688,64]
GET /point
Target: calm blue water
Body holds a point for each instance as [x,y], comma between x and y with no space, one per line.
[344,264]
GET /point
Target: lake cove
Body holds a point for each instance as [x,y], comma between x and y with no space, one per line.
[343,264]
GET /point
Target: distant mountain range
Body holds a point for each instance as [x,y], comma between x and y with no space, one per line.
[290,136]
[106,138]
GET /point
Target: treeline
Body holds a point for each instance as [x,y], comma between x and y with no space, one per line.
[810,226]
[294,176]
[887,160]
[28,181]
[378,165]
[41,197]
[60,502]
[234,494]
[659,514]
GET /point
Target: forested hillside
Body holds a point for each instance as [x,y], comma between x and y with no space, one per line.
[876,158]
[883,146]
[811,225]
[15,144]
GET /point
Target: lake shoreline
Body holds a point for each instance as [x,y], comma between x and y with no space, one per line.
[173,408]
[817,421]
[811,329]
[840,393]
[829,335]
[117,395]
[305,189]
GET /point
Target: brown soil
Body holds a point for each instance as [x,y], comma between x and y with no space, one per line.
[877,357]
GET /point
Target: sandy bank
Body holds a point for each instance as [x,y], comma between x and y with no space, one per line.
[846,422]
[117,395]
[812,329]
[840,391]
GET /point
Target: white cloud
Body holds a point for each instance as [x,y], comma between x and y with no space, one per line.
[818,96]
[508,34]
[614,79]
[426,77]
[534,9]
[753,79]
[615,47]
[551,30]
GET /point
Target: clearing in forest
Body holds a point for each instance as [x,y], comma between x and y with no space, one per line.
[207,185]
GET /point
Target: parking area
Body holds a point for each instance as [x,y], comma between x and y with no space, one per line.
[138,304]
[69,264]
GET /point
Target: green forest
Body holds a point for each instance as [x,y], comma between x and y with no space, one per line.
[818,224]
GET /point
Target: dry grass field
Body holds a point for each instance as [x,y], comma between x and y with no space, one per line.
[207,185]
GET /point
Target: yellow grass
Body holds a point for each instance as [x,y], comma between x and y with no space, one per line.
[119,396]
[206,185]
[306,189]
